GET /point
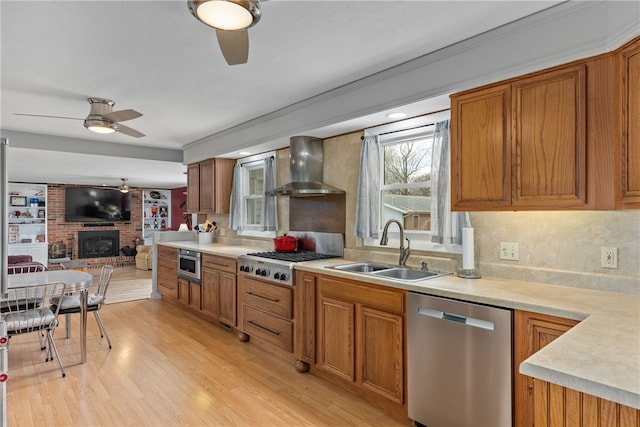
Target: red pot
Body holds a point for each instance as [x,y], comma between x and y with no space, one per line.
[285,243]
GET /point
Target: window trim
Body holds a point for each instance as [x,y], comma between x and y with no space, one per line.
[405,130]
[250,230]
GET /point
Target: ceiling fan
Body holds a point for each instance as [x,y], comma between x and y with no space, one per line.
[124,187]
[102,118]
[230,18]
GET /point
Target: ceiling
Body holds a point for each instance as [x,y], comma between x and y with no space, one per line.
[156,58]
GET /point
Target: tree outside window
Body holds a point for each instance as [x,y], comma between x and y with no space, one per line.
[406,188]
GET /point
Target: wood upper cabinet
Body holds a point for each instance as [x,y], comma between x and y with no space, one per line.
[521,144]
[481,148]
[628,156]
[193,188]
[209,185]
[542,404]
[549,137]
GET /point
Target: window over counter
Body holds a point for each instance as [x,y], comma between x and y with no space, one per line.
[252,213]
[407,164]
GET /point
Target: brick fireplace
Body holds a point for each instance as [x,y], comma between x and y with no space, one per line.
[98,244]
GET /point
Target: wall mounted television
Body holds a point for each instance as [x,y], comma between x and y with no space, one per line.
[84,204]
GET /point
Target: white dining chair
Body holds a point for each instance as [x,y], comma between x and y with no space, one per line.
[27,309]
[71,303]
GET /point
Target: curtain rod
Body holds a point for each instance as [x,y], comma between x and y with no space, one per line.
[259,160]
[402,130]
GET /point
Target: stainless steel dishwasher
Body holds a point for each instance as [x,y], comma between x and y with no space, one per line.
[460,363]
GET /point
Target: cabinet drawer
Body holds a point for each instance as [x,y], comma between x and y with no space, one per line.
[381,299]
[166,252]
[219,263]
[166,268]
[270,298]
[276,331]
[168,286]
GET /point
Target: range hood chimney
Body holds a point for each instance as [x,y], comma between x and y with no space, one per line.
[306,170]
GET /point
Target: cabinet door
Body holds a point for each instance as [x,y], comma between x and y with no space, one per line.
[481,149]
[533,331]
[381,348]
[211,291]
[183,291]
[630,153]
[549,135]
[193,188]
[207,186]
[223,179]
[227,298]
[337,331]
[195,295]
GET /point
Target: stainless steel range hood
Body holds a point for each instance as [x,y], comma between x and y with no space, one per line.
[306,170]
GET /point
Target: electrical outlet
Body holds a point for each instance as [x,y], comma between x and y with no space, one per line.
[509,251]
[609,257]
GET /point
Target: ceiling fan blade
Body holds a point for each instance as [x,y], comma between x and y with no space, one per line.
[129,131]
[122,115]
[49,117]
[234,45]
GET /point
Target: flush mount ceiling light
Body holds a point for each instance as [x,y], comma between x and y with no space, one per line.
[230,18]
[396,115]
[226,14]
[124,188]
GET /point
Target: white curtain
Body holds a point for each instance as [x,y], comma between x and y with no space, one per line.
[368,198]
[235,203]
[270,211]
[446,226]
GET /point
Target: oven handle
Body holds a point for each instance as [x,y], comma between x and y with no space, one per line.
[263,297]
[256,324]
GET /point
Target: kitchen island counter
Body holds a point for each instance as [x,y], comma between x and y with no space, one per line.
[599,356]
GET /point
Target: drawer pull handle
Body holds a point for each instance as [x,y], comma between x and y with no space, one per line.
[271,331]
[263,297]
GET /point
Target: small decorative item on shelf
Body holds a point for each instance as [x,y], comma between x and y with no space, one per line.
[164,211]
[154,210]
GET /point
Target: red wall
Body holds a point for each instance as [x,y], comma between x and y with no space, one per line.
[178,205]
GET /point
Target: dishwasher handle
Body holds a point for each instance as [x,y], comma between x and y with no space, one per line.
[457,318]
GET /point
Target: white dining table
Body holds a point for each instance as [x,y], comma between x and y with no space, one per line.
[75,281]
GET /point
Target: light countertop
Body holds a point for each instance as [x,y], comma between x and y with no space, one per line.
[599,356]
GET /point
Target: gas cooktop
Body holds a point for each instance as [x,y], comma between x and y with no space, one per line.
[293,256]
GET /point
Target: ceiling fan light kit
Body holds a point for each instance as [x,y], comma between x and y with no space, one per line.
[230,18]
[124,188]
[226,14]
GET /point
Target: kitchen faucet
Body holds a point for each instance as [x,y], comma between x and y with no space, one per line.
[404,253]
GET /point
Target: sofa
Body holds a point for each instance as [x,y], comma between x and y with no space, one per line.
[23,264]
[144,257]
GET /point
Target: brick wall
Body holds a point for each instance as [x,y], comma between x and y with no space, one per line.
[67,232]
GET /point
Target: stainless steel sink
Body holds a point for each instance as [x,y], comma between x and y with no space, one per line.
[404,274]
[362,267]
[407,274]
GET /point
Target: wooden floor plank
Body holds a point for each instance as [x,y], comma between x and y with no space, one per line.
[168,367]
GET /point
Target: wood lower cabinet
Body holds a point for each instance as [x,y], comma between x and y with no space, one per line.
[219,288]
[190,294]
[542,404]
[267,313]
[361,330]
[167,272]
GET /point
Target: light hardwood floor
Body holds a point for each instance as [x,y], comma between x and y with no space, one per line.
[168,367]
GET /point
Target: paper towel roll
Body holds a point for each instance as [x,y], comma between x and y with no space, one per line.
[468,258]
